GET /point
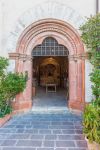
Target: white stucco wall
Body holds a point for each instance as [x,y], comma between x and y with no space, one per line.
[0,26]
[13,10]
[88,84]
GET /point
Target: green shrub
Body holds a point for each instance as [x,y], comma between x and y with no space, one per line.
[95,78]
[13,84]
[10,85]
[91,123]
[91,117]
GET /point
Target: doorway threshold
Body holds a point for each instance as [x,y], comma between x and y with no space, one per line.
[50,110]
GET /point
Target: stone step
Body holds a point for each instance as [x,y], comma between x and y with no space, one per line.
[45,118]
[50,110]
[54,110]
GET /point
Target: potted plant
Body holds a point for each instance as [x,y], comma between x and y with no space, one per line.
[10,85]
[91,116]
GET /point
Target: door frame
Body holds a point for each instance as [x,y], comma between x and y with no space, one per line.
[66,35]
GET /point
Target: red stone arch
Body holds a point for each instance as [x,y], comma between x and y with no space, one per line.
[65,34]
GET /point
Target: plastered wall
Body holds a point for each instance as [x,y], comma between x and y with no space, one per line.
[12,10]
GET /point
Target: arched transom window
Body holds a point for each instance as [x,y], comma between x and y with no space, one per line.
[50,47]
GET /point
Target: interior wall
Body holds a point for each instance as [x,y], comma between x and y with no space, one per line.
[59,74]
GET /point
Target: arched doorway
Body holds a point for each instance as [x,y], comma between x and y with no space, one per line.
[50,74]
[66,35]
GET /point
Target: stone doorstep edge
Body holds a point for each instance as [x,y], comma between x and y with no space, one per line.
[9,116]
[5,119]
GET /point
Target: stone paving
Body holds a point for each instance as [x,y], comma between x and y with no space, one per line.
[43,132]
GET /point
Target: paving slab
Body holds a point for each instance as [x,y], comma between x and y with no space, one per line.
[43,131]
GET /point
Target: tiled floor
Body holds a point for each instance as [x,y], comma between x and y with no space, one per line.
[43,132]
[52,99]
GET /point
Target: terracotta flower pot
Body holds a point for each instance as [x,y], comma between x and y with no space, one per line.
[93,145]
[5,119]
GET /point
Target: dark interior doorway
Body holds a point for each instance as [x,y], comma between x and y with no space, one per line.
[50,74]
